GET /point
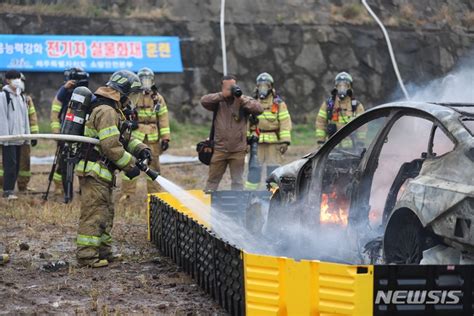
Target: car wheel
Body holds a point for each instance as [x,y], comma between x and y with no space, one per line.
[405,239]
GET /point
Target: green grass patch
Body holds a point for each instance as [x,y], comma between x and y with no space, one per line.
[303,135]
[188,134]
[44,127]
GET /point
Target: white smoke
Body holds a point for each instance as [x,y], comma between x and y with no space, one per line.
[338,243]
[455,87]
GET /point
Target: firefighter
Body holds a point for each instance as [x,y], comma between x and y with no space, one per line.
[25,154]
[73,77]
[25,172]
[273,127]
[153,129]
[116,150]
[338,110]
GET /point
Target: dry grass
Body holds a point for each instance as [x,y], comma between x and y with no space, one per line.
[352,13]
[88,8]
[407,11]
[408,16]
[469,19]
[445,15]
[85,8]
[153,13]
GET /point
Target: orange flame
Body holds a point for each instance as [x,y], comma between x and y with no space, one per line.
[334,209]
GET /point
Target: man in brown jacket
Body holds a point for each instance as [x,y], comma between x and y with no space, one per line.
[232,110]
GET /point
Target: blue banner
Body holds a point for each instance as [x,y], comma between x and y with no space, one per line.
[93,53]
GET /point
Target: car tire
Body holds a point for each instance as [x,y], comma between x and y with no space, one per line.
[405,238]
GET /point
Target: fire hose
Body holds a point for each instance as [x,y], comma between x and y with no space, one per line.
[57,137]
[141,164]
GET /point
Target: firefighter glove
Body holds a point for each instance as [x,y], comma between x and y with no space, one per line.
[165,144]
[134,125]
[135,172]
[283,148]
[145,154]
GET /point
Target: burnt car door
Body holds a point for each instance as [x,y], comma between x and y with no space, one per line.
[336,170]
[408,139]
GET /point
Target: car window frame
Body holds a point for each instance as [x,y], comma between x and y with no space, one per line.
[362,198]
[431,144]
[320,157]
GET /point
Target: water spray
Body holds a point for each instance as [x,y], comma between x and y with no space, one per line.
[390,49]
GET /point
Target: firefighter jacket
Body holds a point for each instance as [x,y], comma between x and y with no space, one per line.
[153,122]
[105,123]
[59,108]
[32,117]
[338,112]
[274,123]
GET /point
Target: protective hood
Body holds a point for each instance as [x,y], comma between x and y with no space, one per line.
[109,93]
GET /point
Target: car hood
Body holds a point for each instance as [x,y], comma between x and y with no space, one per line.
[289,170]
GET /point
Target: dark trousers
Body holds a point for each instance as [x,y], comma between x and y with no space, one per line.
[11,167]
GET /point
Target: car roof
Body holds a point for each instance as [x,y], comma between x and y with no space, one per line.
[436,109]
[449,114]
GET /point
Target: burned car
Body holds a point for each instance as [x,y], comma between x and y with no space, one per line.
[400,176]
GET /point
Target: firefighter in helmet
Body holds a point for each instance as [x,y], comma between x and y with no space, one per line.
[338,110]
[24,174]
[153,129]
[117,150]
[73,77]
[273,127]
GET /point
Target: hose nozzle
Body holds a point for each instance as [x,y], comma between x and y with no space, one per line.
[143,166]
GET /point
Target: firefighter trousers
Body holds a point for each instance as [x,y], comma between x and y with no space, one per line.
[24,173]
[269,155]
[219,162]
[94,241]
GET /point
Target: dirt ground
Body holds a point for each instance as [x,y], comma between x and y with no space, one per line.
[37,234]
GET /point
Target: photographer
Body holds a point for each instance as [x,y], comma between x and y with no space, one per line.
[232,110]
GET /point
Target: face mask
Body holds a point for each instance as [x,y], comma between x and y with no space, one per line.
[147,82]
[16,83]
[343,89]
[22,86]
[263,90]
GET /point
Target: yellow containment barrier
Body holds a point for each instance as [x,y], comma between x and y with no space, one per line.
[251,284]
[173,202]
[284,286]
